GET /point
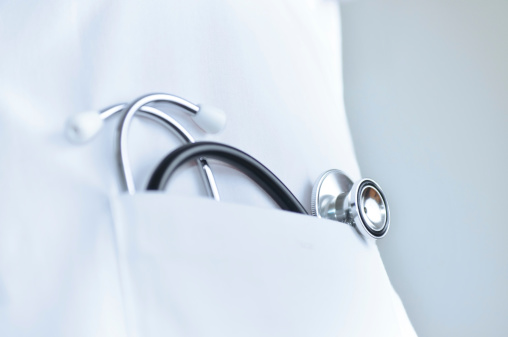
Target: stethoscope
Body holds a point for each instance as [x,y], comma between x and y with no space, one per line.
[335,196]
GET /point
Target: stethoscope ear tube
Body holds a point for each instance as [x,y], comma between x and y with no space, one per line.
[208,118]
[361,204]
[234,157]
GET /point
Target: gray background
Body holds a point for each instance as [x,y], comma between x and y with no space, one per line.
[426,96]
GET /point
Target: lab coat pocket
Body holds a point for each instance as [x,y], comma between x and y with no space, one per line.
[196,267]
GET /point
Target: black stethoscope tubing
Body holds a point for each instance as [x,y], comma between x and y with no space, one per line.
[335,196]
[234,157]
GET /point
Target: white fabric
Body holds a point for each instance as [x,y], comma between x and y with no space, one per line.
[273,66]
[188,275]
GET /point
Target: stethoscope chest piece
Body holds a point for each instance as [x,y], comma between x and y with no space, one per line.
[361,204]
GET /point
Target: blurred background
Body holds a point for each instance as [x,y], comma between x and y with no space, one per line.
[426,86]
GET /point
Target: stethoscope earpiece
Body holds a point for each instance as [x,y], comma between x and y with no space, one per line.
[83,126]
[361,204]
[334,196]
[210,119]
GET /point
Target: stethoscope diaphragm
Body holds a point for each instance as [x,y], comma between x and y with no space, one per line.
[361,204]
[334,196]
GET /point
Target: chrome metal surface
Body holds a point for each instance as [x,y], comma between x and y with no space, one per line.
[330,188]
[125,172]
[369,209]
[110,111]
[372,208]
[361,204]
[161,117]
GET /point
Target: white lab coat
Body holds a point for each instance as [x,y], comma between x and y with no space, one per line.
[273,66]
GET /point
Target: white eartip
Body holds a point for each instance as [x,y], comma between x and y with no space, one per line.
[83,126]
[210,119]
